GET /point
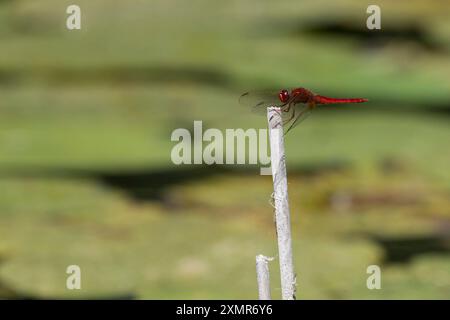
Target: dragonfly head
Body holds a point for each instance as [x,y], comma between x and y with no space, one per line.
[284,96]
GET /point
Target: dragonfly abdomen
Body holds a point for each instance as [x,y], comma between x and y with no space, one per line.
[326,100]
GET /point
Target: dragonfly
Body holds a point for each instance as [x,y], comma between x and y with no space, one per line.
[295,104]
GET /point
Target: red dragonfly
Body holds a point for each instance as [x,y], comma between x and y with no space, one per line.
[295,104]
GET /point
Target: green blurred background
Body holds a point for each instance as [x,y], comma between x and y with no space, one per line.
[85,170]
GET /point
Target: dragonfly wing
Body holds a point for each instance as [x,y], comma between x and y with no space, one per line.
[292,113]
[259,101]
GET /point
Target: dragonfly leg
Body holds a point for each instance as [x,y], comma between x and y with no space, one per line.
[301,115]
[292,116]
[288,107]
[283,110]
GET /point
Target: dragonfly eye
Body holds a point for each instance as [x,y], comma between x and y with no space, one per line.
[283,96]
